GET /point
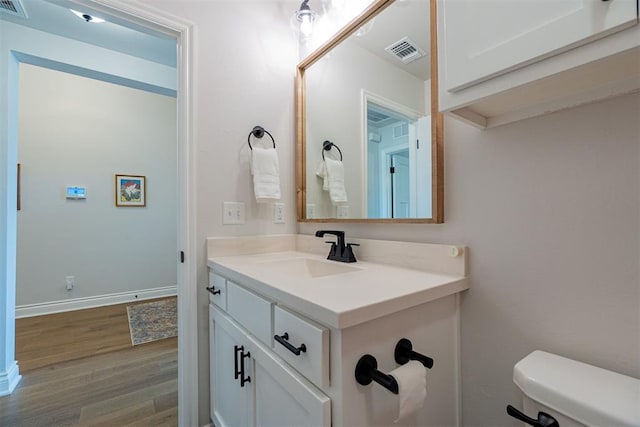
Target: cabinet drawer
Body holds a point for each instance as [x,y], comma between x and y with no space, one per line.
[251,311]
[218,283]
[313,362]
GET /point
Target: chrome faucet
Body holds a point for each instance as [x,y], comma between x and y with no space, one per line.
[339,250]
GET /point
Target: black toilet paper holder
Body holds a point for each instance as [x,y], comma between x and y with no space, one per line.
[367,371]
[404,352]
[367,367]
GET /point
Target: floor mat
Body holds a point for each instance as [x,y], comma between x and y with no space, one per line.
[153,321]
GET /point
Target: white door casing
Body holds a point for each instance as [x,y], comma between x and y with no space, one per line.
[182,31]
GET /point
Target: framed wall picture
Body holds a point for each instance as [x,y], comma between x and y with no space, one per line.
[131,190]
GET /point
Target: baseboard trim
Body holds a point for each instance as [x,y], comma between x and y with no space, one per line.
[9,380]
[30,310]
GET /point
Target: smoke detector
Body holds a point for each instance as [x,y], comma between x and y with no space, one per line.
[406,50]
[13,8]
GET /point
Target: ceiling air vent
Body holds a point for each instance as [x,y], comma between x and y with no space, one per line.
[376,116]
[405,50]
[13,8]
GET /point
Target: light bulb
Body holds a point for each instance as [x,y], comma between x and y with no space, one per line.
[306,25]
[87,17]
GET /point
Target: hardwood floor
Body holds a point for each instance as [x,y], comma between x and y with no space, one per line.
[111,384]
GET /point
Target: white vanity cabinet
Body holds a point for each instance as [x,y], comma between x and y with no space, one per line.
[249,384]
[258,380]
[228,346]
[501,61]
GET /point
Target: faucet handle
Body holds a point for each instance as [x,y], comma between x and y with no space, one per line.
[348,252]
[334,248]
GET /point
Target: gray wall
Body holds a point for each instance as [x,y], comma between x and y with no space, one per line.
[550,209]
[78,131]
[18,43]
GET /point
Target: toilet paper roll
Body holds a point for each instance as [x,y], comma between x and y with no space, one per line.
[412,387]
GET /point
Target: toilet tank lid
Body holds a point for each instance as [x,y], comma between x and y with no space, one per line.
[588,394]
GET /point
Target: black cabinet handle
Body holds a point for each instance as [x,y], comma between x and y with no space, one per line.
[544,419]
[213,290]
[244,379]
[238,359]
[236,349]
[282,339]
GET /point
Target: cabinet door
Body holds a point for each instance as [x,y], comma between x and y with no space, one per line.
[283,397]
[231,403]
[487,38]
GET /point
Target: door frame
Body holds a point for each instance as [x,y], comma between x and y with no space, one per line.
[384,182]
[367,97]
[153,19]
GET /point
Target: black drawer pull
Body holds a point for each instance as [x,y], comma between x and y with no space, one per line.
[213,290]
[282,339]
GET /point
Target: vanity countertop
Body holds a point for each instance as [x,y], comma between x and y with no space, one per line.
[356,293]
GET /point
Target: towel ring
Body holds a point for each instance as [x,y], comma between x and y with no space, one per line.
[327,145]
[258,132]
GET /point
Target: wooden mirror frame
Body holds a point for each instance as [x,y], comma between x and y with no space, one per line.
[437,123]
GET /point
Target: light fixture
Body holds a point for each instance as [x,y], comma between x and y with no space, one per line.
[87,17]
[360,32]
[305,16]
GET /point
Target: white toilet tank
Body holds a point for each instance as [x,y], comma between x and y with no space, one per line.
[577,394]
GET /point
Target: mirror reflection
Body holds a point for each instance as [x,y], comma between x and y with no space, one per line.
[367,121]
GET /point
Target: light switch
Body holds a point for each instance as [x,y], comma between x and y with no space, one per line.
[233,213]
[278,213]
[311,210]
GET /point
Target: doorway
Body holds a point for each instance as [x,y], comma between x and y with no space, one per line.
[142,16]
[397,153]
[75,133]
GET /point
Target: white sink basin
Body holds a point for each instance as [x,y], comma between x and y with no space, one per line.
[308,267]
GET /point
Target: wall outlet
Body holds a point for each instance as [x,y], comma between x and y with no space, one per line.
[71,281]
[311,210]
[343,211]
[278,213]
[233,213]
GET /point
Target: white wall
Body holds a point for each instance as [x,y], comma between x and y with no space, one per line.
[336,110]
[79,131]
[245,62]
[550,209]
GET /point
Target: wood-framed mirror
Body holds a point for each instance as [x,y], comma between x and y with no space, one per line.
[367,100]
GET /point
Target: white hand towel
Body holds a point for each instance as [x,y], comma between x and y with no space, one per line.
[266,174]
[321,171]
[335,173]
